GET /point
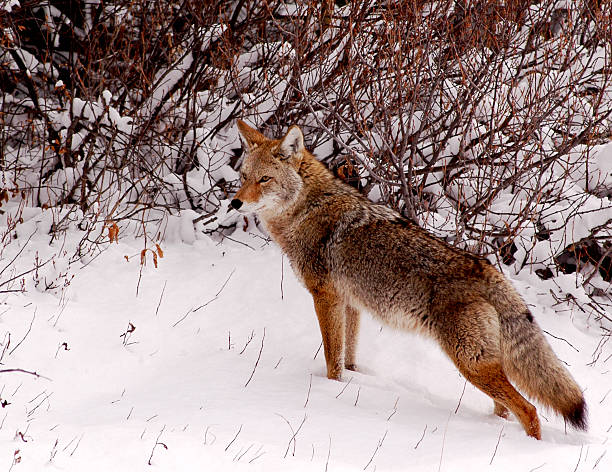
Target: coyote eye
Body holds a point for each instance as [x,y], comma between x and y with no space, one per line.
[265,178]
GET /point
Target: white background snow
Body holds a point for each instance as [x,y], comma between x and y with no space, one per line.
[172,394]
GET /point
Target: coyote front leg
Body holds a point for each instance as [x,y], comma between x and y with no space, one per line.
[331,321]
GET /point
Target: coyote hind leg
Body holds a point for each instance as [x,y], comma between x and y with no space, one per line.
[470,336]
[492,380]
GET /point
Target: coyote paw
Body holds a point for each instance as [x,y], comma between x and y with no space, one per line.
[501,411]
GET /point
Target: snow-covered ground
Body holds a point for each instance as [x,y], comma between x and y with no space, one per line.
[215,366]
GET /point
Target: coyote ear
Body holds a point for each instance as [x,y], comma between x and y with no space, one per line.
[250,137]
[292,143]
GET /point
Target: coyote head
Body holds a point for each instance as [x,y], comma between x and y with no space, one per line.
[269,177]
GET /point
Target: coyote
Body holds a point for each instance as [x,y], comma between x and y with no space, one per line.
[354,255]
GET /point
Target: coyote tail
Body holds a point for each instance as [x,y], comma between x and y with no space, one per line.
[530,362]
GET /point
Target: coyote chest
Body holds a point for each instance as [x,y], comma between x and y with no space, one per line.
[341,255]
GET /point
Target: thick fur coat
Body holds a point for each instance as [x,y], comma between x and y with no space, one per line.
[353,255]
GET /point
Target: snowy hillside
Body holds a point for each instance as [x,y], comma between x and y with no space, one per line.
[215,366]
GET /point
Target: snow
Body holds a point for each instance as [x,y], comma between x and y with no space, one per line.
[223,372]
[7,5]
[208,358]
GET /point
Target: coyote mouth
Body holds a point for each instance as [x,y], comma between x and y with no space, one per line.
[246,210]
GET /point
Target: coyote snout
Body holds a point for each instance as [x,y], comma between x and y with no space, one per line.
[353,255]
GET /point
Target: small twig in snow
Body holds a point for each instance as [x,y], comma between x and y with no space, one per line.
[357,399]
[461,397]
[443,442]
[119,399]
[240,242]
[10,264]
[214,437]
[240,454]
[64,303]
[600,458]
[562,339]
[422,436]
[77,445]
[235,437]
[308,394]
[16,459]
[46,398]
[257,455]
[5,345]
[160,298]
[579,457]
[220,290]
[25,335]
[183,317]
[294,434]
[69,443]
[193,310]
[203,217]
[22,436]
[328,454]
[317,353]
[157,443]
[53,451]
[378,446]
[128,333]
[538,467]
[64,345]
[22,274]
[258,357]
[251,336]
[394,409]
[344,388]
[35,374]
[138,283]
[497,445]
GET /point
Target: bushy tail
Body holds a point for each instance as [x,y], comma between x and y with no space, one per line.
[531,364]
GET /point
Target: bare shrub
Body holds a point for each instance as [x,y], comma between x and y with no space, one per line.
[486,122]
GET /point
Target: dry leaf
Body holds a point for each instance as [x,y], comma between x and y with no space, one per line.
[113,233]
[159,251]
[143,257]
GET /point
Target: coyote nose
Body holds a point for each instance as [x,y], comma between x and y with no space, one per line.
[236,204]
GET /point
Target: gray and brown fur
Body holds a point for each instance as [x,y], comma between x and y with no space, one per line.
[354,255]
